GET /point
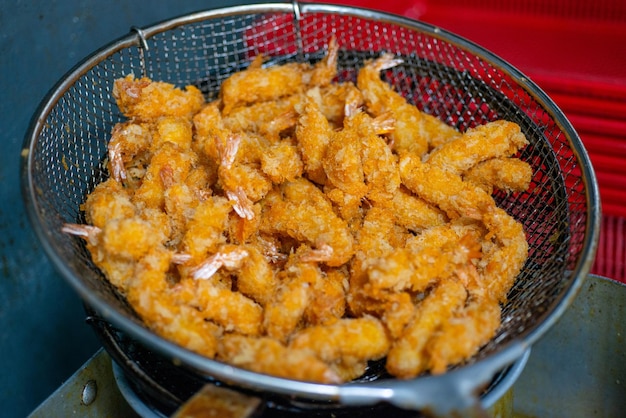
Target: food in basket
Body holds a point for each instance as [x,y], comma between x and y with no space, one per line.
[303,227]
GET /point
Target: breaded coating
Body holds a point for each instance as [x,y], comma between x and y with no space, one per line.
[461,336]
[313,133]
[506,174]
[303,227]
[443,189]
[414,213]
[328,298]
[301,211]
[261,84]
[407,357]
[414,130]
[362,338]
[492,140]
[145,100]
[268,356]
[285,311]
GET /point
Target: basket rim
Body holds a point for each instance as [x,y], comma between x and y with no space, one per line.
[350,392]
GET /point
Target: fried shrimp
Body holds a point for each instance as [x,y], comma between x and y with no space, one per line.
[159,306]
[414,130]
[507,257]
[268,119]
[459,337]
[129,143]
[266,355]
[143,99]
[506,174]
[406,357]
[414,213]
[302,227]
[285,311]
[417,266]
[491,140]
[343,165]
[260,84]
[358,339]
[443,189]
[301,211]
[313,132]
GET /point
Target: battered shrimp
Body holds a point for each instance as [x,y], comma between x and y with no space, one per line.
[174,129]
[407,357]
[244,184]
[333,98]
[256,278]
[129,146]
[161,309]
[285,311]
[418,265]
[206,229]
[414,129]
[109,200]
[348,207]
[342,163]
[268,119]
[328,298]
[444,189]
[376,239]
[119,271]
[268,356]
[258,84]
[462,335]
[414,213]
[209,131]
[380,165]
[228,256]
[357,339]
[375,233]
[230,309]
[281,162]
[181,201]
[132,238]
[262,84]
[491,140]
[144,100]
[301,211]
[243,230]
[505,260]
[397,311]
[313,133]
[507,174]
[169,165]
[358,161]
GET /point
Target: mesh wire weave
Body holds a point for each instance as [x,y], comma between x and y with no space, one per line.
[443,76]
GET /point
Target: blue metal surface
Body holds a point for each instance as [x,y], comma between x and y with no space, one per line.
[43,335]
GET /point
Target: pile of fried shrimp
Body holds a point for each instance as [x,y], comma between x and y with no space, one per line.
[303,227]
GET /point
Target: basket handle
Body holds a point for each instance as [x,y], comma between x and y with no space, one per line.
[297,17]
[452,394]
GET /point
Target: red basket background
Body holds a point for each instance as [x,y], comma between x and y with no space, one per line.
[576,52]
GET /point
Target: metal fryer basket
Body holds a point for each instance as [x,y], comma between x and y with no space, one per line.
[442,74]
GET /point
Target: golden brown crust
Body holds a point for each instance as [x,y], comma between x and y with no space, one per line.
[301,227]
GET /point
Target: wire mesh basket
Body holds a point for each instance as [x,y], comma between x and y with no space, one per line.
[442,74]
